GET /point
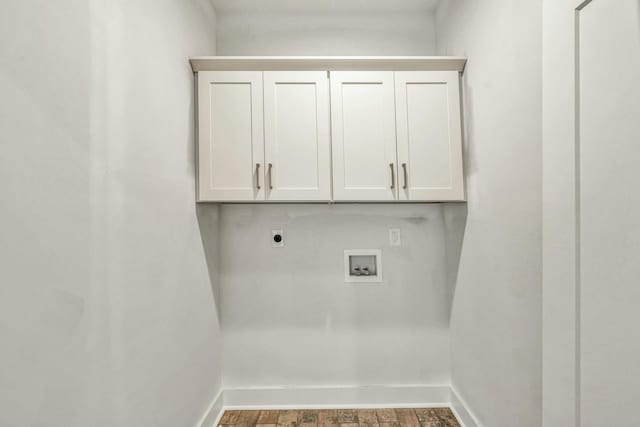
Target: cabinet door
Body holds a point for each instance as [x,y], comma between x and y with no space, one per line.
[296,130]
[429,135]
[230,136]
[363,136]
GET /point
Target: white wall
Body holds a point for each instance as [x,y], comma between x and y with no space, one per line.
[106,309]
[496,313]
[325,33]
[289,319]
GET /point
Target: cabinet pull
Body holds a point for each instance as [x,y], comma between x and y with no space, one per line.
[258,176]
[406,179]
[269,173]
[393,177]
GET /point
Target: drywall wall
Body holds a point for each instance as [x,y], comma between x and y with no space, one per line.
[496,313]
[106,309]
[288,318]
[294,32]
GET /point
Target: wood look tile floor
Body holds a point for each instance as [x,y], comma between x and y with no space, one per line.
[425,417]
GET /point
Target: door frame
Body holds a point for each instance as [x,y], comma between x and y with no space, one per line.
[561,213]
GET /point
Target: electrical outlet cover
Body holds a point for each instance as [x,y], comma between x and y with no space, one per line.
[277,238]
[394,237]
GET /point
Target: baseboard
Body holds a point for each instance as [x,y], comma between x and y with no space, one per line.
[212,417]
[336,397]
[461,411]
[411,396]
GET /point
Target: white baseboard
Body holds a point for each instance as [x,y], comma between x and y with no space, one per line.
[336,397]
[461,411]
[412,396]
[214,412]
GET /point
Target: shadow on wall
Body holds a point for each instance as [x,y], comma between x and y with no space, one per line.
[304,281]
[455,224]
[209,222]
[455,214]
[468,121]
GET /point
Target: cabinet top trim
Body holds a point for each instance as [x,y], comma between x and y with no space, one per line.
[331,63]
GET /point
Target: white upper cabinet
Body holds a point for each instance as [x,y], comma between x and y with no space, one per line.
[374,129]
[230,136]
[363,136]
[429,136]
[296,130]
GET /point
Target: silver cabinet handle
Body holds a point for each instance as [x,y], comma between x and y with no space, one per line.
[269,173]
[404,171]
[393,177]
[258,176]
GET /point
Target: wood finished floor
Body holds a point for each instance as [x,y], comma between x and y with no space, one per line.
[431,417]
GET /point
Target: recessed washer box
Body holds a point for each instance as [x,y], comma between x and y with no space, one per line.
[363,265]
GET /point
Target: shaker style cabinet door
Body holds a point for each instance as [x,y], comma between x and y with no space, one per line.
[429,136]
[363,136]
[230,136]
[296,131]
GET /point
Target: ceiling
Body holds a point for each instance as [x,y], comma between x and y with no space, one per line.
[325,5]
